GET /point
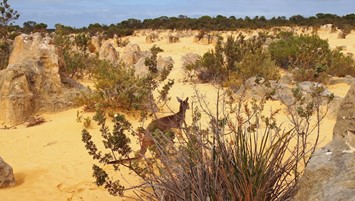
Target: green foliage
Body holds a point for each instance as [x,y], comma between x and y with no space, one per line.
[227,160]
[31,26]
[311,57]
[81,41]
[207,23]
[63,30]
[151,61]
[75,63]
[163,94]
[236,60]
[116,141]
[4,53]
[259,65]
[341,65]
[300,51]
[117,86]
[7,16]
[76,59]
[87,122]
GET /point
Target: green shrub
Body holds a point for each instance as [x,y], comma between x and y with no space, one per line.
[341,65]
[4,54]
[300,51]
[117,86]
[76,59]
[311,57]
[241,155]
[259,65]
[235,61]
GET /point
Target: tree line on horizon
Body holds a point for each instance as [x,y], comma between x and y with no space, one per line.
[207,23]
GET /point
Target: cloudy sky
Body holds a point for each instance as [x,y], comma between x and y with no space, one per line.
[79,13]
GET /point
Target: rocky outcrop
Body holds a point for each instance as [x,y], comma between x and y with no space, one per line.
[164,62]
[33,81]
[189,59]
[7,178]
[196,39]
[330,174]
[173,39]
[337,80]
[151,38]
[142,70]
[108,52]
[341,35]
[131,54]
[206,39]
[346,114]
[257,87]
[94,45]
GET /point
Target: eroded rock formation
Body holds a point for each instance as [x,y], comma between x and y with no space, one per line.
[330,174]
[33,81]
[108,52]
[131,54]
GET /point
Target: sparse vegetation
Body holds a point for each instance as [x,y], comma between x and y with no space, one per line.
[117,86]
[241,155]
[235,61]
[7,16]
[4,53]
[310,58]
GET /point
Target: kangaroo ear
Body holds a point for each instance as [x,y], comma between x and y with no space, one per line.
[187,99]
[178,99]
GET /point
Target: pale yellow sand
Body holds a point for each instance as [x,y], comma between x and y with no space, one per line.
[51,163]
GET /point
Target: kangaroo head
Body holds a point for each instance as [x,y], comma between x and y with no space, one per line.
[184,105]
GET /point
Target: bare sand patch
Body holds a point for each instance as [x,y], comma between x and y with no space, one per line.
[50,161]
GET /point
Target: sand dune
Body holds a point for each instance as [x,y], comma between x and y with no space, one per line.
[50,161]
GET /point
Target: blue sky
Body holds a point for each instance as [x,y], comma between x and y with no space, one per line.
[79,13]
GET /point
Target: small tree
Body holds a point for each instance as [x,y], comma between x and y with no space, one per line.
[7,16]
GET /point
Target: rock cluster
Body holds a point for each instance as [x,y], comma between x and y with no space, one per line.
[173,39]
[108,52]
[341,35]
[131,54]
[189,59]
[151,38]
[94,44]
[330,174]
[33,81]
[346,114]
[206,39]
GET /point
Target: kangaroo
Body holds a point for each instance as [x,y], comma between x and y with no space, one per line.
[164,124]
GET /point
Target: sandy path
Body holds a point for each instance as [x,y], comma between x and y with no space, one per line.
[51,163]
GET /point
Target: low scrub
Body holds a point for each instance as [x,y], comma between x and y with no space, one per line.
[235,61]
[311,57]
[117,86]
[241,154]
[4,54]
